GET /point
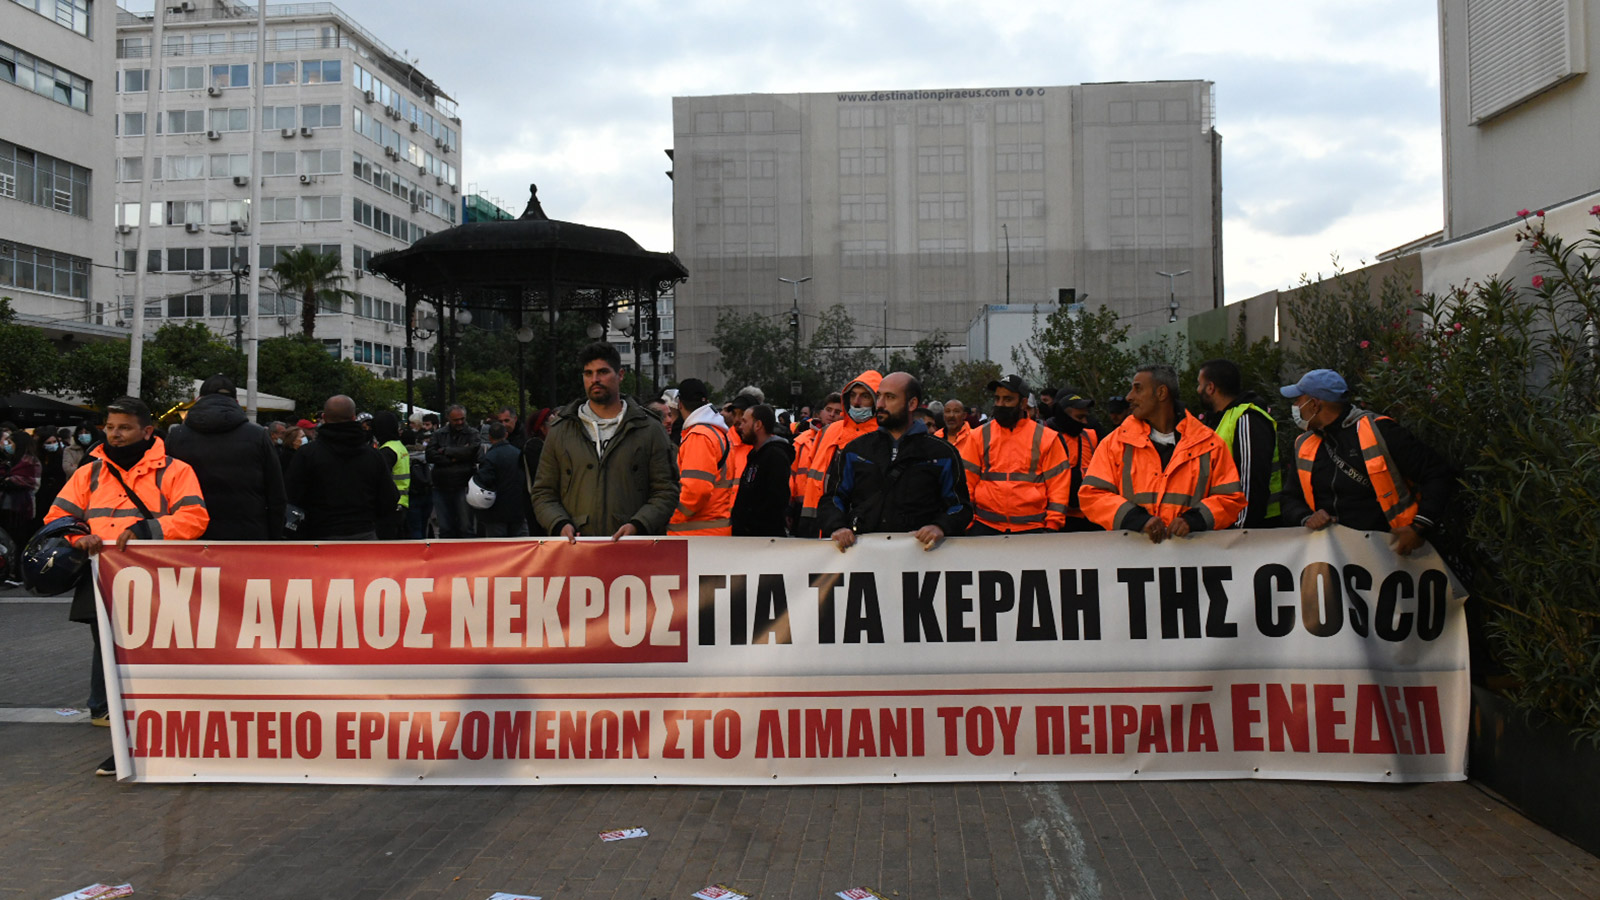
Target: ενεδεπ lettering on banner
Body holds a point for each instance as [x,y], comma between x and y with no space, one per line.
[1276,654]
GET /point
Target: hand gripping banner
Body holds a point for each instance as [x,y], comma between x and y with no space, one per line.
[1265,654]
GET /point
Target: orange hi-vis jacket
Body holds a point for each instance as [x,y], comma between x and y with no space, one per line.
[1126,484]
[738,455]
[168,487]
[705,470]
[1394,495]
[841,432]
[1018,478]
[803,446]
[1080,452]
[966,432]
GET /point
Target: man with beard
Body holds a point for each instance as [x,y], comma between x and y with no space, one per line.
[955,428]
[340,480]
[1161,472]
[1017,471]
[607,467]
[1238,417]
[760,505]
[897,478]
[128,487]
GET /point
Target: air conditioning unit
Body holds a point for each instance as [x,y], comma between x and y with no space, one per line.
[391,112]
[454,189]
[359,273]
[213,135]
[124,229]
[237,225]
[308,179]
[241,181]
[422,170]
[413,126]
[415,207]
[388,326]
[391,152]
[192,227]
[197,276]
[438,142]
[214,91]
[371,96]
[305,131]
[288,132]
[438,179]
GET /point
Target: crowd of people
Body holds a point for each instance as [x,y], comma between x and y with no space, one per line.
[878,456]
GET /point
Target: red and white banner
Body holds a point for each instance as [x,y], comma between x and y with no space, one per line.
[1275,654]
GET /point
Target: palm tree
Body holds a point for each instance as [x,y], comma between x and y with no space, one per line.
[314,277]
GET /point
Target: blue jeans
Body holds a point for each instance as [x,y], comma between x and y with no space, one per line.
[450,508]
[417,514]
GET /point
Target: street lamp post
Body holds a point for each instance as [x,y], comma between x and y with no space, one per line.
[1172,293]
[794,339]
[240,270]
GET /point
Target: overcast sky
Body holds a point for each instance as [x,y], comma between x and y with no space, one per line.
[1329,111]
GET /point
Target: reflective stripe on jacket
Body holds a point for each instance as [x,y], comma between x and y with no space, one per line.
[1126,475]
[167,486]
[1226,429]
[843,430]
[1394,495]
[1018,478]
[401,471]
[804,445]
[705,472]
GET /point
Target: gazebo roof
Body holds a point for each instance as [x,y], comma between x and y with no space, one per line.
[533,251]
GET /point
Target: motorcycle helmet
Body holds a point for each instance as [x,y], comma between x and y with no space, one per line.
[51,564]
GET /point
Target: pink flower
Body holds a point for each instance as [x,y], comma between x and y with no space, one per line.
[1594,210]
[1458,326]
[1365,344]
[1386,359]
[1523,213]
[1538,282]
[1539,213]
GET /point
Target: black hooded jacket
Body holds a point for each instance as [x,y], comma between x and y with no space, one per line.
[342,483]
[238,469]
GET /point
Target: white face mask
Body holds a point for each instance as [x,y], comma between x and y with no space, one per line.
[52,447]
[1299,419]
[304,440]
[859,414]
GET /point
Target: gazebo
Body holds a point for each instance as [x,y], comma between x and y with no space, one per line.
[528,269]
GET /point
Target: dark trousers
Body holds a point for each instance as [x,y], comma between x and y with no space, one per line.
[99,705]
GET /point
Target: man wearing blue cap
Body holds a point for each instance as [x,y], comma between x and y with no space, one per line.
[1360,469]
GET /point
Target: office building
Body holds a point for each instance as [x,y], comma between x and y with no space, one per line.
[915,209]
[359,152]
[57,107]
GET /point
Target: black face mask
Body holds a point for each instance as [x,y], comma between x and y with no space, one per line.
[126,458]
[1069,426]
[1008,416]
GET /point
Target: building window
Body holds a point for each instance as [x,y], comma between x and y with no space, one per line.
[184,78]
[229,165]
[31,268]
[133,81]
[320,162]
[864,254]
[42,180]
[762,164]
[71,14]
[763,210]
[942,251]
[863,161]
[320,116]
[185,168]
[274,118]
[279,73]
[230,119]
[132,125]
[863,207]
[186,121]
[1021,204]
[1019,158]
[320,71]
[28,71]
[949,205]
[230,76]
[226,212]
[863,117]
[761,121]
[319,209]
[130,168]
[708,211]
[1018,113]
[277,162]
[941,114]
[189,306]
[278,209]
[186,259]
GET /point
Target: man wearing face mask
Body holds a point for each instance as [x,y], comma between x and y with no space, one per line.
[1079,440]
[1251,435]
[1017,471]
[859,397]
[1161,472]
[1359,469]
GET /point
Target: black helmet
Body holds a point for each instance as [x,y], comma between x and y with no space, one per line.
[8,553]
[50,564]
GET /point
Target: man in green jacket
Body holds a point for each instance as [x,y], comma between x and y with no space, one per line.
[607,466]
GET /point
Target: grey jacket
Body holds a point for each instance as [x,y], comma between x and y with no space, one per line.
[635,481]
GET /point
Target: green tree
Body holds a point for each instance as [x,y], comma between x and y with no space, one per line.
[927,359]
[98,373]
[299,368]
[1260,365]
[486,393]
[313,277]
[753,349]
[969,382]
[1081,349]
[195,352]
[28,361]
[835,353]
[1337,323]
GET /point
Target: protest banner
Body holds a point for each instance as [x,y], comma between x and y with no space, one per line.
[1273,654]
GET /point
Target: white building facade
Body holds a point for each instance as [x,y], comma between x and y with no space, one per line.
[357,152]
[917,209]
[57,108]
